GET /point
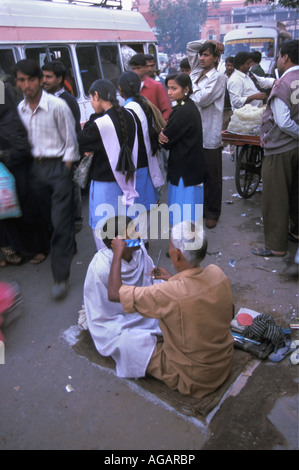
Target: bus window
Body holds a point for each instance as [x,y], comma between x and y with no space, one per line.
[110,63]
[127,51]
[39,54]
[138,48]
[7,61]
[263,45]
[153,51]
[89,65]
[62,53]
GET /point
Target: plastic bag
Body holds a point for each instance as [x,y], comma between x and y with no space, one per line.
[9,204]
[81,174]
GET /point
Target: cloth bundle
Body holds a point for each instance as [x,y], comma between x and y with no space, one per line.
[246,120]
[264,328]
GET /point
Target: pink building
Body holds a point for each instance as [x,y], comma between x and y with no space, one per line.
[229,14]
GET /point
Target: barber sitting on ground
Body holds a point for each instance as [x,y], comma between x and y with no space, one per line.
[194,309]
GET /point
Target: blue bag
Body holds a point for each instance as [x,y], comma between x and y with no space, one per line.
[9,204]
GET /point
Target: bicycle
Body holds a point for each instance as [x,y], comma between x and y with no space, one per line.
[249,157]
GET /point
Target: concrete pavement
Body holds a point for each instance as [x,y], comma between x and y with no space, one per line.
[106,413]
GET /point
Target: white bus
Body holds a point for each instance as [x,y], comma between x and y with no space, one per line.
[251,37]
[92,42]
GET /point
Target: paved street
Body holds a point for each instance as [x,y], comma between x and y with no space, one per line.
[106,413]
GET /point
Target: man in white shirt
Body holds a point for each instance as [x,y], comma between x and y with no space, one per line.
[241,87]
[208,93]
[51,133]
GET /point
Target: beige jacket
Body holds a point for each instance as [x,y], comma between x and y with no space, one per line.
[194,309]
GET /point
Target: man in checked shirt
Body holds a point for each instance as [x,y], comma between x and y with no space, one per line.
[51,133]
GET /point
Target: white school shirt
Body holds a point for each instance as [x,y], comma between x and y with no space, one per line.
[51,128]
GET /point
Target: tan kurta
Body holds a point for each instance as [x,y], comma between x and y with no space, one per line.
[194,309]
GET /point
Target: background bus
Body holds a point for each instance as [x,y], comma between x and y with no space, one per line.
[92,42]
[256,37]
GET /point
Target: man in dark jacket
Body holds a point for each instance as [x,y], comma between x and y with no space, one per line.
[54,74]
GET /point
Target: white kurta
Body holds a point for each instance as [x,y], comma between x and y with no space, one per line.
[129,338]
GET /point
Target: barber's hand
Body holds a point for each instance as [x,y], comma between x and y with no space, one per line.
[160,273]
[163,139]
[118,246]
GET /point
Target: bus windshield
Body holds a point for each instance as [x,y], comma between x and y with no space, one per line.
[264,45]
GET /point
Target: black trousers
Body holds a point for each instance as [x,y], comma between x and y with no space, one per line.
[52,183]
[213,183]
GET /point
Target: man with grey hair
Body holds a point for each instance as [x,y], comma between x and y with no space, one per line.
[194,309]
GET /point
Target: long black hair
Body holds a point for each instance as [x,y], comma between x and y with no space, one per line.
[182,79]
[107,92]
[129,84]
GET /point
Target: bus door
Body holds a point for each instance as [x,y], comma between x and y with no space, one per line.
[44,54]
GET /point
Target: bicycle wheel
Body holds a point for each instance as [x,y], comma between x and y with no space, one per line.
[248,170]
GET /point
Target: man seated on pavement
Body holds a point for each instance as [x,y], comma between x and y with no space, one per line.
[129,339]
[194,309]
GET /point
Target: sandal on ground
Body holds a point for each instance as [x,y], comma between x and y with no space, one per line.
[7,250]
[265,252]
[38,258]
[278,354]
[14,259]
[10,256]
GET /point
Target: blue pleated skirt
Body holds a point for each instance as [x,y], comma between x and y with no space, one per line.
[185,203]
[104,202]
[148,194]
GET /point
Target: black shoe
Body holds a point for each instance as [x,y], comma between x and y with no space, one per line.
[59,290]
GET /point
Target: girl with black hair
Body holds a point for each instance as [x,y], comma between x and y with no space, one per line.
[110,134]
[183,137]
[148,175]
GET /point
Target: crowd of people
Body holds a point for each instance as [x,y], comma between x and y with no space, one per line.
[175,328]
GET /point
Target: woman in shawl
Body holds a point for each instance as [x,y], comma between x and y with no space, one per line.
[149,177]
[110,136]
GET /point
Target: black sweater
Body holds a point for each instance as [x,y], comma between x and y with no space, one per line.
[90,140]
[184,131]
